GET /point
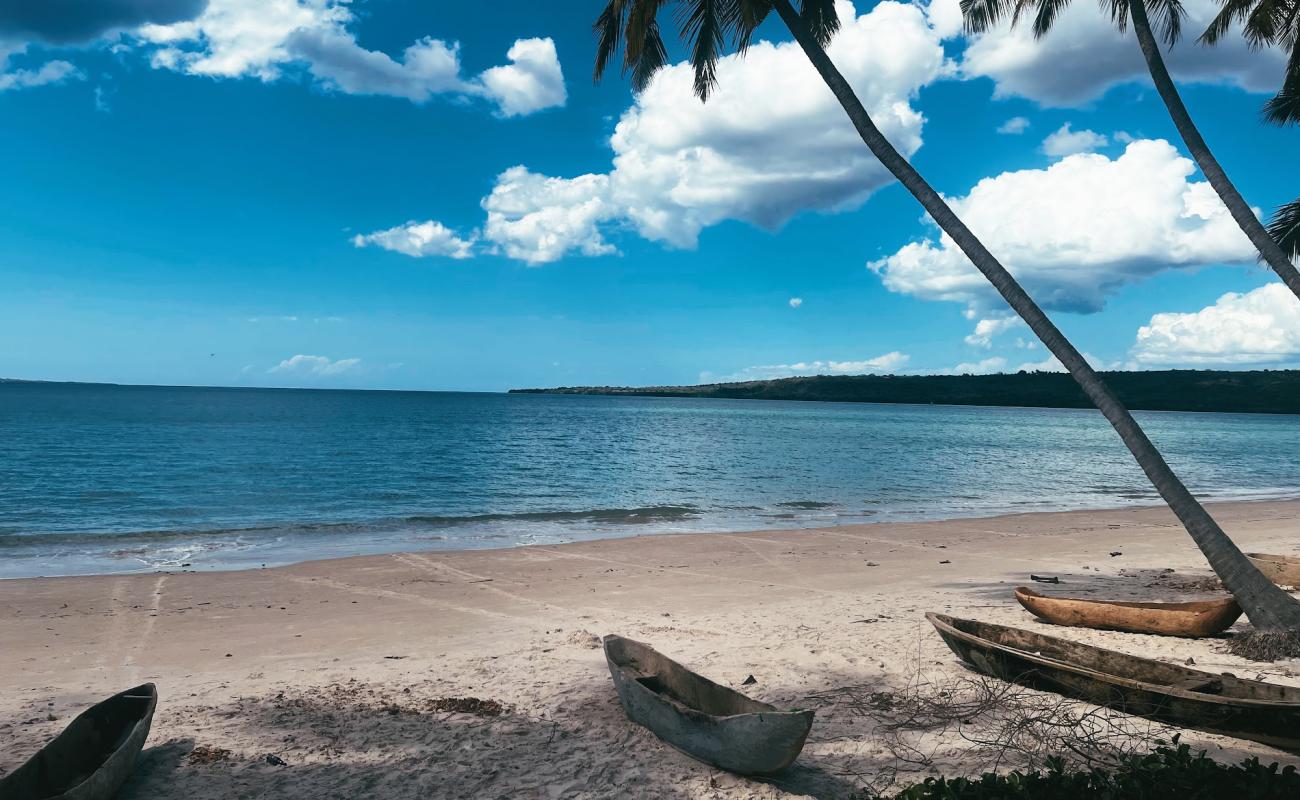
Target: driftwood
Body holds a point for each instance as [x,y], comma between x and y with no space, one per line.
[1042,579]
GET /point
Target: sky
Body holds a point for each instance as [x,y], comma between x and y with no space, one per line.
[410,195]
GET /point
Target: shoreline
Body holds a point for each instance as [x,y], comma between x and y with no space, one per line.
[335,666]
[228,559]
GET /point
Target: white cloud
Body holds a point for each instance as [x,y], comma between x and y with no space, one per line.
[1085,55]
[536,219]
[1014,125]
[315,366]
[531,81]
[1260,326]
[795,302]
[985,366]
[1061,232]
[1049,364]
[281,318]
[880,364]
[987,329]
[263,38]
[681,165]
[419,239]
[1066,142]
[48,73]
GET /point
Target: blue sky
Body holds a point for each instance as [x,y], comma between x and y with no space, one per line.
[221,195]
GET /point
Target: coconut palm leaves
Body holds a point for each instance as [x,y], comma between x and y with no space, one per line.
[1267,23]
[981,15]
[709,27]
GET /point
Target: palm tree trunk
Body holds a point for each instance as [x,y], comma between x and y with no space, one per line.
[1246,219]
[1267,606]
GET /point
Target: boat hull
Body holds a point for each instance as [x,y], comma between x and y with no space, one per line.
[93,756]
[1282,570]
[1192,620]
[1178,695]
[704,720]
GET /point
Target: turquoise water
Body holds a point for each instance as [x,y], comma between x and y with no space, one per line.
[112,479]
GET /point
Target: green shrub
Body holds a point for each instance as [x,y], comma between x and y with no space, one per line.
[1167,773]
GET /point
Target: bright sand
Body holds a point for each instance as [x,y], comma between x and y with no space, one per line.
[333,665]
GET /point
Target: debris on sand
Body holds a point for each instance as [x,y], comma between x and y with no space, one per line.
[468,705]
[206,754]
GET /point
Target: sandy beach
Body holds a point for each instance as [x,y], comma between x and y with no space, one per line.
[344,669]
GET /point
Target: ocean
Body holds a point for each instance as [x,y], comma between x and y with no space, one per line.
[106,479]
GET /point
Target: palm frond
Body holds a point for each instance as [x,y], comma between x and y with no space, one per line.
[1284,107]
[609,35]
[821,19]
[1166,18]
[1232,11]
[704,24]
[750,14]
[1048,10]
[1284,227]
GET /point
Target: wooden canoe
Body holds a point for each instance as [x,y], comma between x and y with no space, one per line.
[1172,693]
[93,756]
[702,719]
[1282,570]
[1203,618]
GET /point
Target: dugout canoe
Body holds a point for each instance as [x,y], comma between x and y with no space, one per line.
[93,756]
[1172,693]
[1193,620]
[704,720]
[1282,570]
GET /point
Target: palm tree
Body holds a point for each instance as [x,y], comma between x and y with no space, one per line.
[981,15]
[1285,228]
[708,25]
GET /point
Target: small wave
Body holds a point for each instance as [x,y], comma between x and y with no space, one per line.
[806,505]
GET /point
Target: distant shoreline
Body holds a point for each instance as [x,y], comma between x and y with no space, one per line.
[1213,391]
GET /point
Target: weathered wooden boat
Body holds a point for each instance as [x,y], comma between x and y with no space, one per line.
[1172,693]
[93,756]
[1196,619]
[1282,570]
[704,720]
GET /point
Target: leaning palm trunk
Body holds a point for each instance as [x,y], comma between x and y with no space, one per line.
[1267,606]
[1250,225]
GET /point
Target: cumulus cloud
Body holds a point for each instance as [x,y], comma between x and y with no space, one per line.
[1085,55]
[1256,327]
[985,366]
[1066,142]
[795,302]
[261,38]
[48,73]
[531,81]
[680,165]
[315,366]
[77,21]
[987,329]
[418,239]
[880,364]
[1061,232]
[1014,125]
[537,219]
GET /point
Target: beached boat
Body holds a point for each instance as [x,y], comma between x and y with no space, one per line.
[1179,695]
[704,720]
[1282,570]
[93,756]
[1202,618]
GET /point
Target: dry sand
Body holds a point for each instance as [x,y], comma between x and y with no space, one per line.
[337,667]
